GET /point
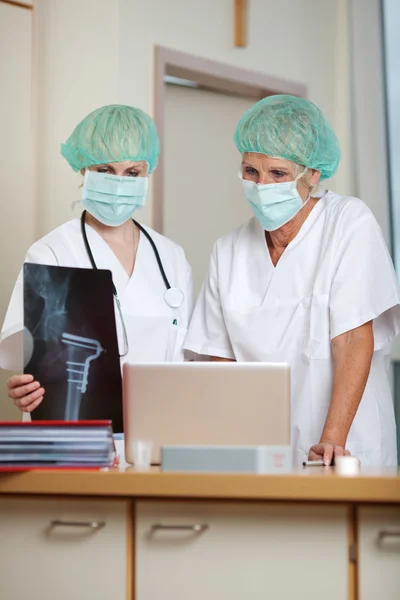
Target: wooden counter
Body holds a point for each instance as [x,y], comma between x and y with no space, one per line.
[106,533]
[314,484]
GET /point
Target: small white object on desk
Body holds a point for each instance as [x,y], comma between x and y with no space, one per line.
[347,465]
[141,453]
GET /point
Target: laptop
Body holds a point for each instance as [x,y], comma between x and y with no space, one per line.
[206,403]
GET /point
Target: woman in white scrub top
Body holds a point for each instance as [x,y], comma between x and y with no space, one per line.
[307,281]
[115,148]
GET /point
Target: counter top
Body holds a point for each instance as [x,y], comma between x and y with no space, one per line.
[319,484]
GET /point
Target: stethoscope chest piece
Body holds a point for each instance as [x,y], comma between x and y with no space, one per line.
[174,297]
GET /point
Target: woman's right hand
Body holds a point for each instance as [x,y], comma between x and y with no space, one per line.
[26,393]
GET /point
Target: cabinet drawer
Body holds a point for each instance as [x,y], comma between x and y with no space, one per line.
[63,549]
[236,551]
[379,553]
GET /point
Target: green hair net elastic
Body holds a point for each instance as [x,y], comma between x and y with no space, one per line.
[112,134]
[292,128]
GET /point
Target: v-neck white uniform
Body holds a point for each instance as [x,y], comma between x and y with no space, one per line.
[152,335]
[334,276]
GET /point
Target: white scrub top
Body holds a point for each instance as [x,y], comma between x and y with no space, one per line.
[334,276]
[151,331]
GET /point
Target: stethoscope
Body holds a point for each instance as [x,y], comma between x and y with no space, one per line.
[173,297]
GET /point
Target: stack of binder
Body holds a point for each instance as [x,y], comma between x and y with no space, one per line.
[56,444]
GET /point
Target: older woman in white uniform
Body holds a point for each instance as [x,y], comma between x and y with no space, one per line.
[308,281]
[115,148]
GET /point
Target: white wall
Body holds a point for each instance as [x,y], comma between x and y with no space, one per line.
[77,71]
[300,40]
[344,181]
[16,150]
[368,98]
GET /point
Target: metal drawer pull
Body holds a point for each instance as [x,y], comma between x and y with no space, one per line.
[388,534]
[87,524]
[196,528]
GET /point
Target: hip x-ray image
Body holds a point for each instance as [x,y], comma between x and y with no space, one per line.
[69,314]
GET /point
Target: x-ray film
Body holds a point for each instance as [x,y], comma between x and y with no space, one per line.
[69,314]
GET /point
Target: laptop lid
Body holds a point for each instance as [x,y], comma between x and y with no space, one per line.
[206,403]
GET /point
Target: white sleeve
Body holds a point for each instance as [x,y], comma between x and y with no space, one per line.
[207,334]
[364,286]
[10,338]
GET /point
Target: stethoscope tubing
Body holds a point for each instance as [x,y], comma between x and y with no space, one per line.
[142,230]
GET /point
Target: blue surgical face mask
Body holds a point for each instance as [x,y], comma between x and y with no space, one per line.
[274,204]
[110,199]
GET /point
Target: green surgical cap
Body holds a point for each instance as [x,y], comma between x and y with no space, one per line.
[112,134]
[292,128]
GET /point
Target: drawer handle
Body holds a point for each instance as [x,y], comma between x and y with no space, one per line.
[388,534]
[87,524]
[195,528]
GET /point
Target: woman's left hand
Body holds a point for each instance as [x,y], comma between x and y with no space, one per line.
[326,451]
